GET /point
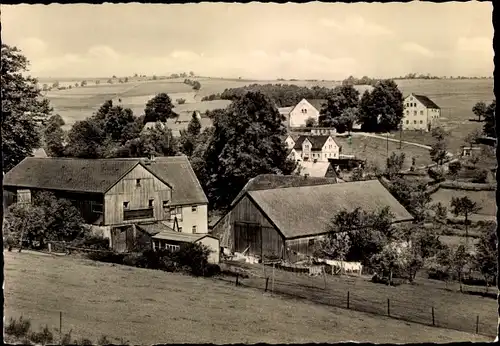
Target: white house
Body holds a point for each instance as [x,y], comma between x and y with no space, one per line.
[289,142]
[304,110]
[316,148]
[420,113]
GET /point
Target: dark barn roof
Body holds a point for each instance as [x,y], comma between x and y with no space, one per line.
[274,181]
[427,102]
[77,175]
[97,176]
[177,171]
[307,211]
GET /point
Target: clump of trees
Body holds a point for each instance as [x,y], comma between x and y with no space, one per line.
[360,81]
[194,83]
[438,150]
[159,108]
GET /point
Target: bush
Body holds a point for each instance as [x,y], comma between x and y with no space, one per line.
[194,256]
[134,260]
[43,337]
[180,101]
[66,339]
[83,342]
[480,176]
[18,328]
[106,256]
[438,273]
[212,270]
[103,341]
[93,242]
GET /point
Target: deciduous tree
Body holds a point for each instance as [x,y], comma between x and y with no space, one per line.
[22,100]
[490,121]
[54,136]
[159,108]
[247,141]
[464,206]
[479,110]
[487,253]
[338,101]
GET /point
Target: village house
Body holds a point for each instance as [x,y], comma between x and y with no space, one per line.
[279,222]
[304,110]
[128,201]
[316,148]
[420,113]
[323,169]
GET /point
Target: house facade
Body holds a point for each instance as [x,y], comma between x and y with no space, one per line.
[304,110]
[420,113]
[316,148]
[276,223]
[117,195]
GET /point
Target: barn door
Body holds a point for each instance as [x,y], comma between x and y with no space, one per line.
[119,239]
[247,236]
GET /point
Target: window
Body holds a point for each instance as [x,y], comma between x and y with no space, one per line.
[126,205]
[96,207]
[138,182]
[171,247]
[414,121]
[156,244]
[165,204]
[151,203]
[421,122]
[194,208]
[311,242]
[194,229]
[407,112]
[421,112]
[414,112]
[407,122]
[180,229]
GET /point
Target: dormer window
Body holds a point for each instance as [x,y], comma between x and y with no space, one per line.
[138,182]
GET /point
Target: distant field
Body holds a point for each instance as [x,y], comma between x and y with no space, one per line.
[375,150]
[141,306]
[455,97]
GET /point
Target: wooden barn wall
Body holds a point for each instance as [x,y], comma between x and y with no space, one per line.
[245,226]
[129,238]
[304,246]
[137,196]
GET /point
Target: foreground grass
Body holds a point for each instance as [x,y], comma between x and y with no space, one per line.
[143,306]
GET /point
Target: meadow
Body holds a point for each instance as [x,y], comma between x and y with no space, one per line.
[140,306]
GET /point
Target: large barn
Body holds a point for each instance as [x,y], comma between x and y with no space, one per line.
[275,222]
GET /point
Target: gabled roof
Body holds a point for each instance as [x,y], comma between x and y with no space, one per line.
[314,169]
[98,176]
[306,211]
[154,228]
[39,152]
[78,175]
[317,103]
[317,142]
[427,102]
[177,171]
[274,181]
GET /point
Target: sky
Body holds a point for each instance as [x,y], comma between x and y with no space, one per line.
[261,41]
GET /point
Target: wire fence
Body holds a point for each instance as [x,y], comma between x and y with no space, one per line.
[321,290]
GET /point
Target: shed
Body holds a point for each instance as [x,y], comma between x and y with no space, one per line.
[168,239]
[273,223]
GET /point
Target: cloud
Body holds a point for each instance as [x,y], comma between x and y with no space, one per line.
[475,44]
[413,47]
[33,47]
[355,25]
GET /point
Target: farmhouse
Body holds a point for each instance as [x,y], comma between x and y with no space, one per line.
[304,110]
[420,113]
[316,148]
[275,222]
[117,196]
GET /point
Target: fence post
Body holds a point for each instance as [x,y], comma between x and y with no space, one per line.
[237,275]
[388,307]
[267,282]
[348,299]
[477,324]
[50,247]
[433,323]
[60,327]
[272,284]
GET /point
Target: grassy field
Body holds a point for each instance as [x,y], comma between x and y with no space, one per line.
[485,199]
[147,307]
[375,150]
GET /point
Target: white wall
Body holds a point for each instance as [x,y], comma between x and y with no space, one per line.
[213,245]
[190,218]
[301,112]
